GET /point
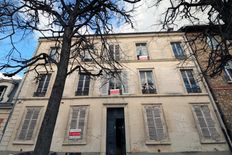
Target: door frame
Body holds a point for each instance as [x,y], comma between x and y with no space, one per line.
[104,125]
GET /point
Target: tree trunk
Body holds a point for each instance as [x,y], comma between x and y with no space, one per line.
[44,140]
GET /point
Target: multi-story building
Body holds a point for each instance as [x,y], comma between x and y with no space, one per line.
[157,105]
[8,89]
[220,85]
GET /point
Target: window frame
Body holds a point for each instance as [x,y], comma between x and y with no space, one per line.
[83,141]
[83,85]
[153,78]
[179,55]
[55,56]
[165,140]
[146,47]
[42,93]
[2,93]
[190,91]
[202,138]
[112,54]
[35,129]
[228,71]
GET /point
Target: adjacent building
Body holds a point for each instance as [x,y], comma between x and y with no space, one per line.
[220,85]
[8,89]
[155,105]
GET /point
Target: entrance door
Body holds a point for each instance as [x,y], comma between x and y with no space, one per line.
[115,137]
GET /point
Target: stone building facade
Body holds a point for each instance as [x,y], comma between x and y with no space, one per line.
[8,89]
[220,85]
[157,106]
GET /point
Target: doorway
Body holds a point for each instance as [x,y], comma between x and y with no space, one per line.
[115,136]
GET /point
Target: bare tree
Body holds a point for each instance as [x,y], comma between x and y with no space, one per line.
[217,29]
[71,24]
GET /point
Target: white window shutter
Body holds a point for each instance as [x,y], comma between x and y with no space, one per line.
[124,79]
[206,125]
[29,123]
[104,86]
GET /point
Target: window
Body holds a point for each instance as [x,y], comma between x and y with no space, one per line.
[115,84]
[228,71]
[114,52]
[147,82]
[2,92]
[43,85]
[85,53]
[212,42]
[83,85]
[178,50]
[27,131]
[155,124]
[76,131]
[142,52]
[205,123]
[54,53]
[189,81]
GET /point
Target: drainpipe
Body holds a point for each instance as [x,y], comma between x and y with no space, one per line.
[212,97]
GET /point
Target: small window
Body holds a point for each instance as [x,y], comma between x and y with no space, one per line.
[213,42]
[2,92]
[205,123]
[27,131]
[54,53]
[178,50]
[76,131]
[155,124]
[43,85]
[142,52]
[147,82]
[114,52]
[189,81]
[228,71]
[86,53]
[115,84]
[83,85]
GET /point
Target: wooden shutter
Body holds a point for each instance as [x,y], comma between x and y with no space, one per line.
[78,121]
[155,123]
[206,125]
[125,89]
[117,52]
[29,123]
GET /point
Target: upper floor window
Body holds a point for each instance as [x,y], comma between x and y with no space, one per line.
[27,131]
[142,51]
[54,53]
[178,50]
[83,85]
[85,53]
[2,92]
[228,71]
[212,42]
[205,123]
[155,124]
[147,82]
[114,52]
[43,85]
[189,81]
[115,84]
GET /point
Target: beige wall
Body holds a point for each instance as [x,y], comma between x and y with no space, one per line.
[176,103]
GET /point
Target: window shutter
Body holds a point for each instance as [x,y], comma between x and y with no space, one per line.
[78,121]
[104,87]
[125,89]
[205,123]
[29,123]
[117,53]
[155,123]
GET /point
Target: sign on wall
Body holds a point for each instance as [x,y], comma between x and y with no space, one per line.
[74,133]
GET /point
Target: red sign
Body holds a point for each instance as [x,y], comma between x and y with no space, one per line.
[114,91]
[143,57]
[74,134]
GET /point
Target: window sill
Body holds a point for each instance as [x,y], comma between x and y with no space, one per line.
[212,141]
[157,142]
[74,143]
[19,142]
